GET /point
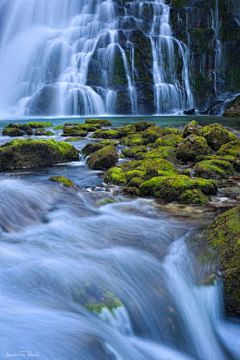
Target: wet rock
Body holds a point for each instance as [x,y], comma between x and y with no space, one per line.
[224,235]
[214,169]
[62,180]
[91,148]
[233,108]
[103,158]
[108,134]
[191,128]
[98,121]
[29,153]
[13,131]
[191,147]
[216,136]
[189,112]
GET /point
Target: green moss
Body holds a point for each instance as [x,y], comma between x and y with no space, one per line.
[98,121]
[48,133]
[28,153]
[133,174]
[142,125]
[135,182]
[11,131]
[231,148]
[216,136]
[103,158]
[133,151]
[132,191]
[224,235]
[191,147]
[62,180]
[194,197]
[213,169]
[36,124]
[74,131]
[132,140]
[108,301]
[108,142]
[59,127]
[126,130]
[75,139]
[91,148]
[166,152]
[108,134]
[191,128]
[115,176]
[168,140]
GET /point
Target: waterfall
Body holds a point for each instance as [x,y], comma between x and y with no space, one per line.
[71,57]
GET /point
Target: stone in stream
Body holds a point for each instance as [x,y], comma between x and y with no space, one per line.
[29,153]
[103,158]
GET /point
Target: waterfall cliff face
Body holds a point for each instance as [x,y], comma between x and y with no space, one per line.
[70,57]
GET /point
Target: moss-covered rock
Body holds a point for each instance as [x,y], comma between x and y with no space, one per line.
[98,121]
[231,148]
[39,132]
[116,176]
[74,139]
[142,125]
[191,128]
[58,127]
[126,130]
[109,142]
[11,131]
[170,188]
[135,182]
[28,130]
[29,153]
[74,131]
[191,147]
[48,133]
[62,180]
[134,150]
[168,140]
[216,136]
[132,140]
[194,197]
[107,301]
[130,190]
[165,152]
[233,108]
[104,158]
[108,134]
[224,235]
[214,169]
[37,124]
[91,148]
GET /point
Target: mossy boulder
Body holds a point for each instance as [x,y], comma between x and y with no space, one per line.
[116,176]
[216,136]
[37,124]
[165,152]
[13,131]
[194,197]
[170,188]
[191,147]
[29,153]
[142,125]
[28,130]
[214,169]
[39,132]
[48,133]
[107,134]
[98,121]
[91,148]
[104,158]
[168,140]
[135,182]
[191,128]
[62,180]
[134,150]
[132,140]
[74,131]
[231,148]
[233,108]
[74,139]
[224,235]
[126,130]
[132,191]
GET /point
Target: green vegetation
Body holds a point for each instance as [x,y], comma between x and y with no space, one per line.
[62,180]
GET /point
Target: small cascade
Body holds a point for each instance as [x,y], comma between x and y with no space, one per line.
[218,45]
[117,319]
[172,90]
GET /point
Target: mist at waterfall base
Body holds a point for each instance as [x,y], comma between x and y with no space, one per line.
[47,47]
[54,241]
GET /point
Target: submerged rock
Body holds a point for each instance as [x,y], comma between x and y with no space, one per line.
[29,153]
[224,235]
[103,158]
[62,180]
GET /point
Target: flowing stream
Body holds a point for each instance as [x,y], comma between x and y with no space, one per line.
[56,242]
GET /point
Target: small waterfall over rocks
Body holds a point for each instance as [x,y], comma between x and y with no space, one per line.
[95,57]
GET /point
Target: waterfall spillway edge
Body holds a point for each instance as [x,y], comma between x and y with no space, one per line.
[86,57]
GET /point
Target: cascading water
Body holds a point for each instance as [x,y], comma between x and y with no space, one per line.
[58,244]
[70,57]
